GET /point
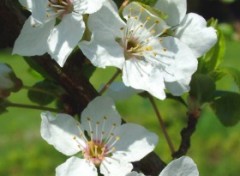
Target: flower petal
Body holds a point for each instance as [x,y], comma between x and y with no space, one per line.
[118,91]
[33,40]
[193,31]
[110,167]
[103,50]
[175,10]
[5,80]
[91,6]
[182,66]
[98,109]
[136,15]
[144,76]
[103,53]
[179,167]
[59,131]
[179,87]
[135,142]
[135,174]
[65,37]
[38,9]
[75,166]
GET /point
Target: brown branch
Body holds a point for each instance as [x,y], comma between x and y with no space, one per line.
[186,134]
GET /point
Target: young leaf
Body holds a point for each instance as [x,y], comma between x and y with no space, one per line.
[43,93]
[234,73]
[202,88]
[227,108]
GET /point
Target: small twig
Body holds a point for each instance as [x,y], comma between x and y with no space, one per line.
[16,105]
[161,122]
[106,86]
[186,134]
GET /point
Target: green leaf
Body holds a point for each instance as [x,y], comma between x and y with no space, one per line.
[202,88]
[227,108]
[217,74]
[37,68]
[43,93]
[234,73]
[213,58]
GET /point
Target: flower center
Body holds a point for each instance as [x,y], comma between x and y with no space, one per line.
[95,152]
[60,7]
[142,34]
[98,141]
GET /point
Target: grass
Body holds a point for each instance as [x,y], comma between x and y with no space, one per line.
[215,148]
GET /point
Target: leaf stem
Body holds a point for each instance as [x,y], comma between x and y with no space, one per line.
[106,86]
[162,125]
[40,91]
[17,105]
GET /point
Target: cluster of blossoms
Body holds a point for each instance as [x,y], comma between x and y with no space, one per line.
[156,49]
[154,53]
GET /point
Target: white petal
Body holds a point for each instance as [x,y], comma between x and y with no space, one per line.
[38,9]
[193,31]
[91,6]
[175,10]
[139,16]
[183,166]
[135,142]
[179,87]
[135,174]
[112,167]
[59,131]
[33,40]
[96,110]
[118,91]
[65,37]
[5,80]
[75,166]
[103,53]
[107,19]
[182,67]
[103,50]
[144,76]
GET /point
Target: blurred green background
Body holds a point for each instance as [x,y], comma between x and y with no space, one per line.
[215,149]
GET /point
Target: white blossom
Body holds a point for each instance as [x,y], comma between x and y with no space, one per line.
[190,28]
[5,80]
[138,45]
[55,27]
[100,138]
[183,166]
